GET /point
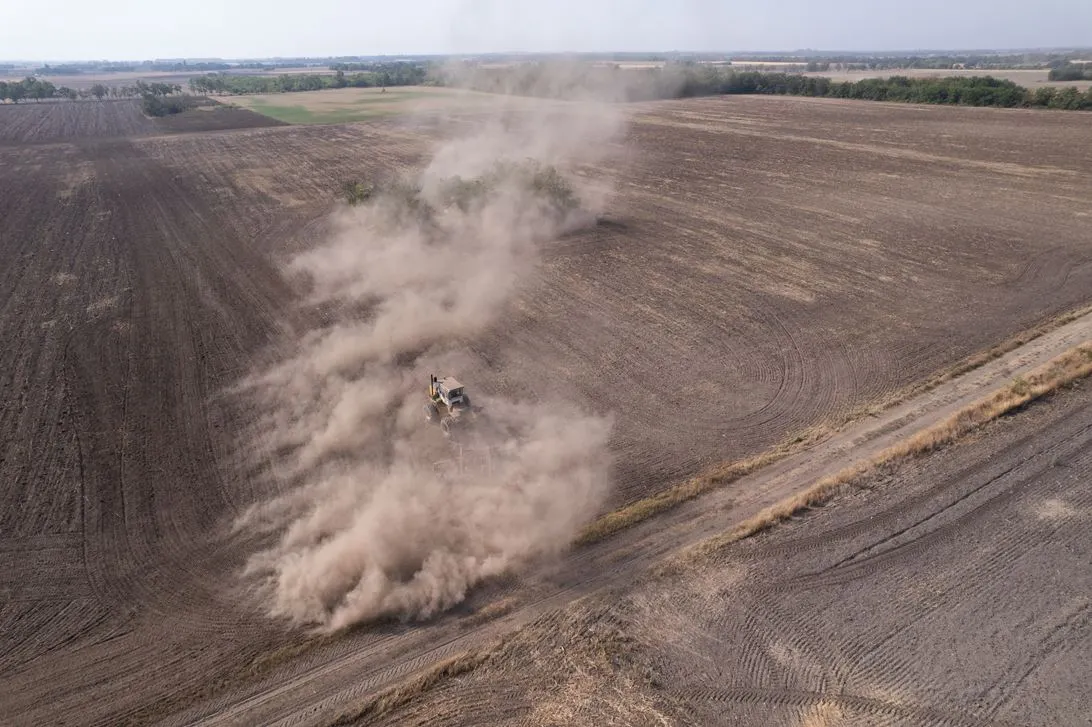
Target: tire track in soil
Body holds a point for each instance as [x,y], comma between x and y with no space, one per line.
[859,564]
[868,655]
[137,379]
[930,505]
[148,509]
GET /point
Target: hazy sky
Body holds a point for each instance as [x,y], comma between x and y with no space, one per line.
[142,29]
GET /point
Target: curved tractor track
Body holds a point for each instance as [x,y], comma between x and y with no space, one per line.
[766,264]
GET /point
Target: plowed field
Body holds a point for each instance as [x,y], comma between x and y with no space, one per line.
[952,590]
[766,264]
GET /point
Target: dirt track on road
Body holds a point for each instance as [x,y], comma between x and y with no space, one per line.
[767,264]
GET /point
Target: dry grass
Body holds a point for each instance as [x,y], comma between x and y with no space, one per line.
[493,610]
[719,476]
[402,694]
[272,659]
[1071,366]
[724,474]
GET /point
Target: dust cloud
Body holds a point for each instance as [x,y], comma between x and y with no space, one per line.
[377,515]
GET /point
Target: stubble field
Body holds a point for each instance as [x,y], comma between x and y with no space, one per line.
[766,265]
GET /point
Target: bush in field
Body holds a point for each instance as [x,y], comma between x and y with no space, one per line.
[409,202]
[357,192]
[1071,72]
[154,105]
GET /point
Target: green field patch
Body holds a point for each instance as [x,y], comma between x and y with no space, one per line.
[390,97]
[301,115]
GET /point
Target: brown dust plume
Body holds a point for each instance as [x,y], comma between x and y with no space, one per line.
[374,516]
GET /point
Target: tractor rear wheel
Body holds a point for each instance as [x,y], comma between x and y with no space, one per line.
[431,412]
[447,426]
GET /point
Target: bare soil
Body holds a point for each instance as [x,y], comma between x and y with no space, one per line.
[34,123]
[768,264]
[952,589]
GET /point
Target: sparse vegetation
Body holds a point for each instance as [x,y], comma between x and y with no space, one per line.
[401,694]
[165,106]
[40,90]
[1071,72]
[543,182]
[725,474]
[357,192]
[366,75]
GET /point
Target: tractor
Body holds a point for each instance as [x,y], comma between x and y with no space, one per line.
[448,404]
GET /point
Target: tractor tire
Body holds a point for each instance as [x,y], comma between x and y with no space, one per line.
[447,426]
[431,412]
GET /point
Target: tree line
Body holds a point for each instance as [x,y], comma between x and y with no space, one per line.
[1071,72]
[941,61]
[377,75]
[959,90]
[688,80]
[38,89]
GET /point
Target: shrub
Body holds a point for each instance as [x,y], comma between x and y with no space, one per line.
[154,105]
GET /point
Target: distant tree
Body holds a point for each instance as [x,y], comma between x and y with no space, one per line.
[3,91]
[70,93]
[43,89]
[17,91]
[1044,96]
[98,91]
[1066,98]
[154,105]
[1070,72]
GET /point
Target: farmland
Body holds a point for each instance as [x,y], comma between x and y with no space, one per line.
[765,265]
[364,104]
[865,612]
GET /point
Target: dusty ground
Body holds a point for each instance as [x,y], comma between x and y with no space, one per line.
[768,264]
[950,590]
